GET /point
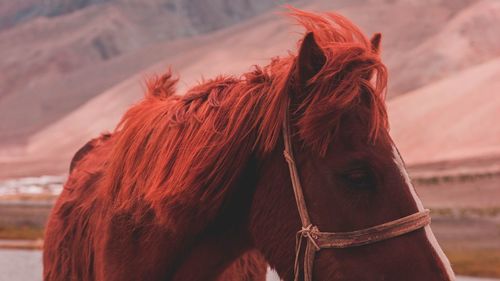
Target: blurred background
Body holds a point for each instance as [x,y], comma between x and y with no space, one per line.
[70,68]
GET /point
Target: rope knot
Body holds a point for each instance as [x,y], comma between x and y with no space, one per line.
[310,232]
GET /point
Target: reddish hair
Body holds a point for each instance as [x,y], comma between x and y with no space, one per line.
[171,162]
[352,77]
[199,143]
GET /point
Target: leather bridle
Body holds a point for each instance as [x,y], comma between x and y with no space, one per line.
[317,240]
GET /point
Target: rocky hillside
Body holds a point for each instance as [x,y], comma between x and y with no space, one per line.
[55,53]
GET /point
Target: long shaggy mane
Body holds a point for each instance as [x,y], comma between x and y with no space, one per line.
[193,147]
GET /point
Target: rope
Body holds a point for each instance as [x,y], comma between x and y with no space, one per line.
[306,232]
[317,240]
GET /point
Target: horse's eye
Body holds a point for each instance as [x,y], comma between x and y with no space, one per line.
[361,178]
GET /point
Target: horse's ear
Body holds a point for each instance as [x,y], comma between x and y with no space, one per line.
[375,42]
[310,59]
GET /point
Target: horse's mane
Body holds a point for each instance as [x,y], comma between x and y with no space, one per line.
[193,147]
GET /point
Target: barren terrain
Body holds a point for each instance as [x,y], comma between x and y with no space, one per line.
[440,80]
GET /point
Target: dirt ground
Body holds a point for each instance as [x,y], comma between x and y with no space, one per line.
[466,221]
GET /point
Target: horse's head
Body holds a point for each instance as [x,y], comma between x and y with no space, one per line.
[351,173]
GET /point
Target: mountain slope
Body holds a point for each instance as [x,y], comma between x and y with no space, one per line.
[470,37]
[234,50]
[61,44]
[453,119]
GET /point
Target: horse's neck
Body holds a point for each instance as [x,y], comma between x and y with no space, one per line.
[186,236]
[225,238]
[214,250]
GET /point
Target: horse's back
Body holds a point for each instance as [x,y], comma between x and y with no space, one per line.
[87,149]
[69,247]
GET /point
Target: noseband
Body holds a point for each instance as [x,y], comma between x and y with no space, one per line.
[317,240]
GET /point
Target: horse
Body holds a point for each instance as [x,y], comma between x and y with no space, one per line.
[235,174]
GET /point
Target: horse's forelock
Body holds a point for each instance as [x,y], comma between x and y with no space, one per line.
[352,77]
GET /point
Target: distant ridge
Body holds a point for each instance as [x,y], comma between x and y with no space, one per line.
[425,44]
